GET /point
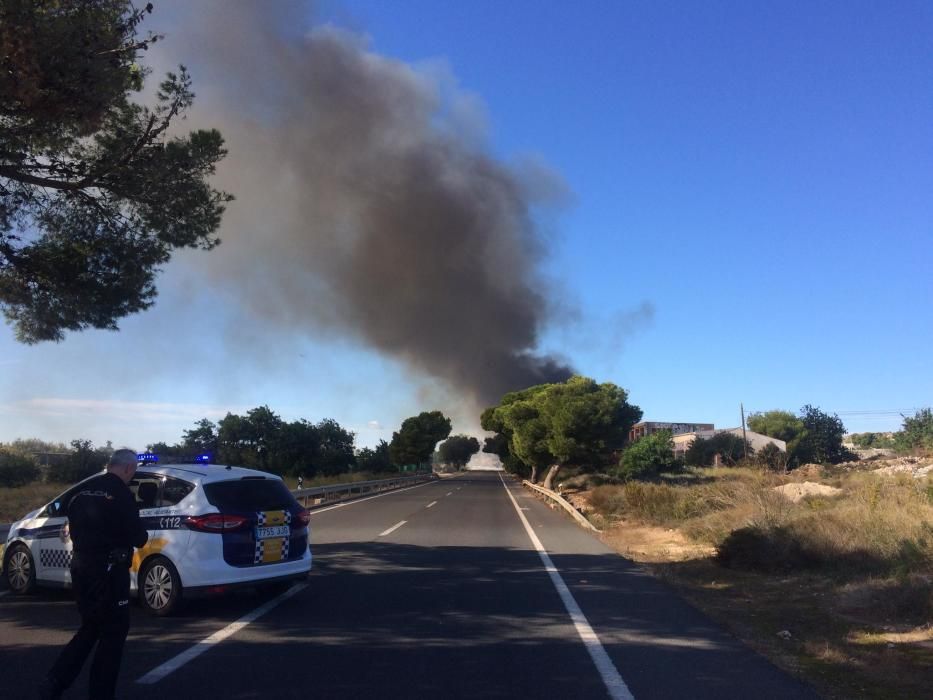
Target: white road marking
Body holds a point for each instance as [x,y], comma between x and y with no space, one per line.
[160,672]
[617,688]
[369,498]
[432,503]
[450,493]
[392,529]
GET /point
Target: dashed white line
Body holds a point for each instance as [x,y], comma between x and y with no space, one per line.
[432,503]
[617,688]
[450,493]
[392,529]
[160,672]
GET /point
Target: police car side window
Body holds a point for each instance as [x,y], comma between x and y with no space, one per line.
[145,489]
[57,508]
[173,490]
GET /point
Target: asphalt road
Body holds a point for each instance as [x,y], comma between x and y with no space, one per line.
[454,603]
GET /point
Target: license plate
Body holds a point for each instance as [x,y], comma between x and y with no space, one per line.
[264,533]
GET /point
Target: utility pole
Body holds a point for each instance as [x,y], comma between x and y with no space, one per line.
[744,439]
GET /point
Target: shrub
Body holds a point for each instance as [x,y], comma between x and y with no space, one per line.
[17,469]
[648,456]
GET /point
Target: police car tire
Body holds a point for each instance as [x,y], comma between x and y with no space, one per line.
[162,570]
[19,556]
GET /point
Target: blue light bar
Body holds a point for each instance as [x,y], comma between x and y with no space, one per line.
[147,457]
[203,459]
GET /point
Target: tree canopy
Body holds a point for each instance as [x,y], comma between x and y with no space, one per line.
[577,422]
[415,441]
[458,449]
[94,194]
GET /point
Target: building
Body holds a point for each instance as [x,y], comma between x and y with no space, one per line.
[640,430]
[756,441]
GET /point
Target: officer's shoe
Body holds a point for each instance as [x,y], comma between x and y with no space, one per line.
[49,690]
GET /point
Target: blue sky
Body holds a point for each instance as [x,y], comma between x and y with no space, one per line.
[755,174]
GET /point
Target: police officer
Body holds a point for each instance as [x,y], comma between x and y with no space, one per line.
[105,526]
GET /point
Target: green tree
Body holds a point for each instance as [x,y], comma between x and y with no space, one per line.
[376,459]
[822,442]
[202,438]
[916,432]
[83,461]
[94,194]
[782,425]
[730,448]
[249,440]
[415,441]
[17,469]
[573,423]
[518,423]
[458,449]
[648,456]
[298,448]
[498,445]
[335,448]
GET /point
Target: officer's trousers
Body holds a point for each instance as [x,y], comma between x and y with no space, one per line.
[102,594]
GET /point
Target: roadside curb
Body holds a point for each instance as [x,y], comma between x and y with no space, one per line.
[562,502]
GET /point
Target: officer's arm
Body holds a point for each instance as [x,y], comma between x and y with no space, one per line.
[133,526]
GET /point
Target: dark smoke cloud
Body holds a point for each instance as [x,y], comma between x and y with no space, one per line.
[365,205]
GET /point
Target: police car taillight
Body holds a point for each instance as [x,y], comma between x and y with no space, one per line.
[302,518]
[216,522]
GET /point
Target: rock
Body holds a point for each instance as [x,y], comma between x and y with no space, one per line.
[799,490]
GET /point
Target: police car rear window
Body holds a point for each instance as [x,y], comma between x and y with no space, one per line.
[249,495]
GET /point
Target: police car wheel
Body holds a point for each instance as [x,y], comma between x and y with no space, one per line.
[20,570]
[159,586]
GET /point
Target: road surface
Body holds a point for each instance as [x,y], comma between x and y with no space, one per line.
[435,591]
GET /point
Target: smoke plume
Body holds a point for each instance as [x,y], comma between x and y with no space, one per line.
[366,206]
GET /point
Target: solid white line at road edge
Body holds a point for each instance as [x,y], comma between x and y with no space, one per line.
[392,529]
[160,672]
[610,675]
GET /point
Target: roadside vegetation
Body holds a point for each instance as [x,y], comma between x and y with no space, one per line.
[826,568]
[33,471]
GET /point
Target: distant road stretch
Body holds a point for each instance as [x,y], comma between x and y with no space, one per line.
[467,587]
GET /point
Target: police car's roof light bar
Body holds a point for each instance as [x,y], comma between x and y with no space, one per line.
[147,457]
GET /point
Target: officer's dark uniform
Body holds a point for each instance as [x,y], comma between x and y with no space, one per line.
[105,527]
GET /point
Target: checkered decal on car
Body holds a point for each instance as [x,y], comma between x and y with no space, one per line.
[55,558]
[272,549]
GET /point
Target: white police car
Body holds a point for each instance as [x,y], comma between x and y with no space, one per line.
[211,528]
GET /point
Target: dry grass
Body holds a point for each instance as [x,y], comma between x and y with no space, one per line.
[851,577]
[15,503]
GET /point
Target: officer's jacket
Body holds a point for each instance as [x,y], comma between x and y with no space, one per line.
[103,520]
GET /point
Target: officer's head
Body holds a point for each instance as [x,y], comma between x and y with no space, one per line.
[123,464]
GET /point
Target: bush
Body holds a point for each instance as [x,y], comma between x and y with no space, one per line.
[647,457]
[17,469]
[771,457]
[763,549]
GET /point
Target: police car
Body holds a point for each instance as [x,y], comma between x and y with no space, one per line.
[211,528]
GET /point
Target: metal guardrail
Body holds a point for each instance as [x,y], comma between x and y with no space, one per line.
[562,502]
[334,493]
